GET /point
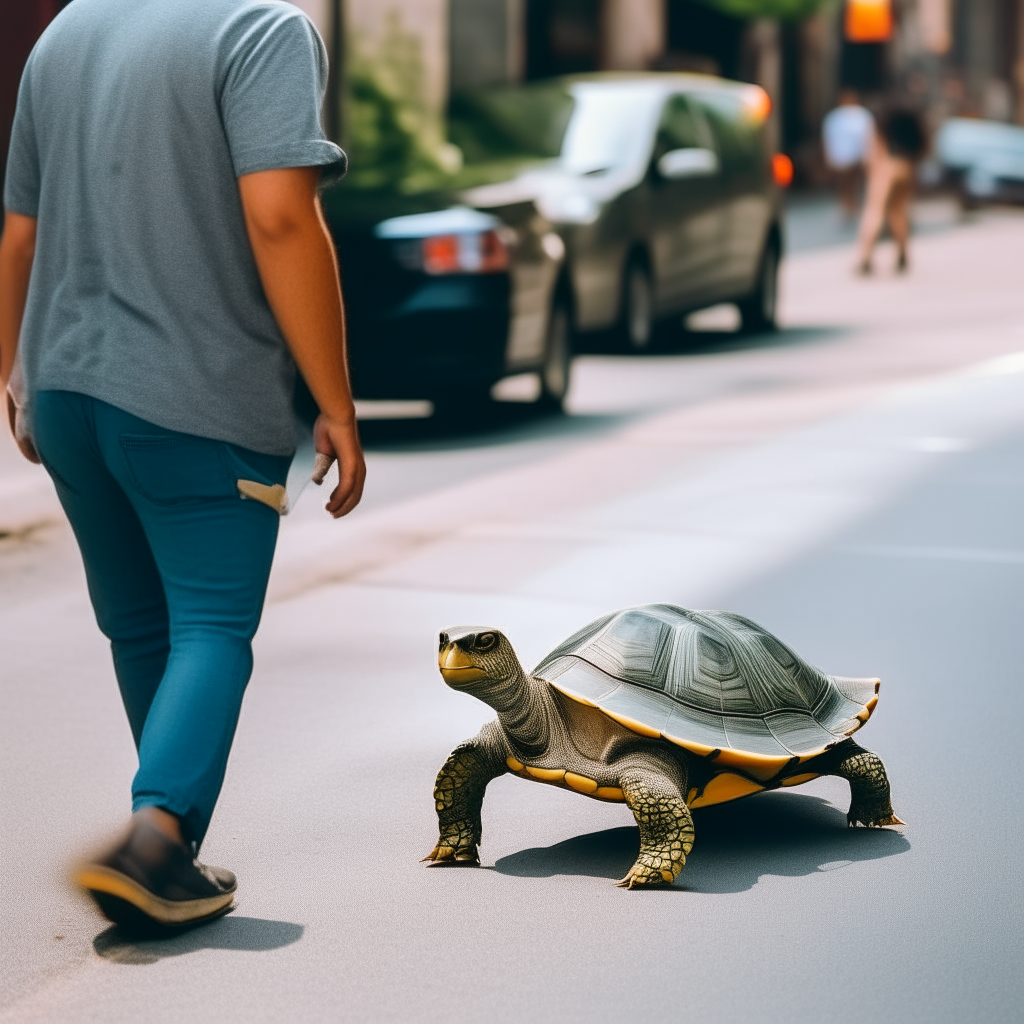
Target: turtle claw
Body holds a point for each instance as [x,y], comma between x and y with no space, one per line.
[449,855]
[642,877]
[890,819]
[632,882]
[440,853]
[886,822]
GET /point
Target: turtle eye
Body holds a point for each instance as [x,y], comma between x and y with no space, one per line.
[443,642]
[485,641]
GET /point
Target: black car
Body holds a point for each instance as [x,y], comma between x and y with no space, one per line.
[444,300]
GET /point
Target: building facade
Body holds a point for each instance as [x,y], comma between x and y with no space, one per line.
[951,57]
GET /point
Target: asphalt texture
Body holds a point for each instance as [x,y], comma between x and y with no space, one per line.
[855,485]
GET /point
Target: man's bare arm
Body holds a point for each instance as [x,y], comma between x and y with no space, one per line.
[297,266]
[17,250]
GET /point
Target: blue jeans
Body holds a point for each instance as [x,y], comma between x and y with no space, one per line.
[177,566]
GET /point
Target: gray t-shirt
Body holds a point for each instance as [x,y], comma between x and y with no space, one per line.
[134,119]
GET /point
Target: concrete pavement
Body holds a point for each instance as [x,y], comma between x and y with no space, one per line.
[857,490]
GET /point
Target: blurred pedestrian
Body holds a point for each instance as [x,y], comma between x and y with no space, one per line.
[163,268]
[897,148]
[846,137]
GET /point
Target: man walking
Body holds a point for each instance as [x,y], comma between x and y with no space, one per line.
[165,265]
[846,138]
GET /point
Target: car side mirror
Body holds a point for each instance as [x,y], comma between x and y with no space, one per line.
[688,163]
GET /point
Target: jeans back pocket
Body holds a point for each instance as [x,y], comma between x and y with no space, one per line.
[176,469]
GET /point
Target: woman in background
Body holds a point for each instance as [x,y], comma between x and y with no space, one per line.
[897,148]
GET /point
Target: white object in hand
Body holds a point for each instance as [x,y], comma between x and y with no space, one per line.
[320,467]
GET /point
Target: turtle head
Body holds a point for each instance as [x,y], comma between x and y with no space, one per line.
[479,660]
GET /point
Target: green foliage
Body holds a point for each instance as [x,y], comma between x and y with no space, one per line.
[500,123]
[382,148]
[397,145]
[394,140]
[786,10]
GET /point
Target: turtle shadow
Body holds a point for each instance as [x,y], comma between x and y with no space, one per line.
[247,934]
[789,835]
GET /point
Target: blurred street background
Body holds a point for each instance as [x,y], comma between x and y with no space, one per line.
[853,479]
[407,58]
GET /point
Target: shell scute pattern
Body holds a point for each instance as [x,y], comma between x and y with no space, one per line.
[636,648]
[707,680]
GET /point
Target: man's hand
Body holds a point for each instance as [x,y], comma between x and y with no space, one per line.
[340,440]
[295,258]
[21,435]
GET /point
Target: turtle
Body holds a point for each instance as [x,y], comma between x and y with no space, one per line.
[663,708]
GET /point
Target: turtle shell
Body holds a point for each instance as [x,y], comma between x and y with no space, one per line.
[713,682]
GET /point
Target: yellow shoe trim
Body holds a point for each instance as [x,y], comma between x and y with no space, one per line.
[97,878]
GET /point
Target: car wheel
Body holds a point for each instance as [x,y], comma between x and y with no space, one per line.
[758,312]
[554,374]
[636,322]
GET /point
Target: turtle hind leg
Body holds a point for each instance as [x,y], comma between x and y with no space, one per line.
[666,829]
[870,799]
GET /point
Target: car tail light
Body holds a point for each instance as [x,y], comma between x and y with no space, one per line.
[477,252]
[782,170]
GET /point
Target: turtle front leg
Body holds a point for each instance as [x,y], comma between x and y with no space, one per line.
[458,798]
[666,829]
[870,799]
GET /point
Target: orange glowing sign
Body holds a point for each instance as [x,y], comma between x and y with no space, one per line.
[868,21]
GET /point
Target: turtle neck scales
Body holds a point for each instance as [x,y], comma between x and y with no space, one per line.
[524,713]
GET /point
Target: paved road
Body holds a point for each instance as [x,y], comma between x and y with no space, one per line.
[855,484]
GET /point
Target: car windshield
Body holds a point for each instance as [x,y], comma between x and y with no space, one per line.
[608,128]
[588,127]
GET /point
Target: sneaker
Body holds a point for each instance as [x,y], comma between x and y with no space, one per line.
[149,880]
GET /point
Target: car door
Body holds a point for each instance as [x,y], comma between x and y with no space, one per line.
[687,207]
[747,205]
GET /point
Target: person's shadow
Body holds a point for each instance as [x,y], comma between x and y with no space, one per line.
[737,843]
[250,934]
